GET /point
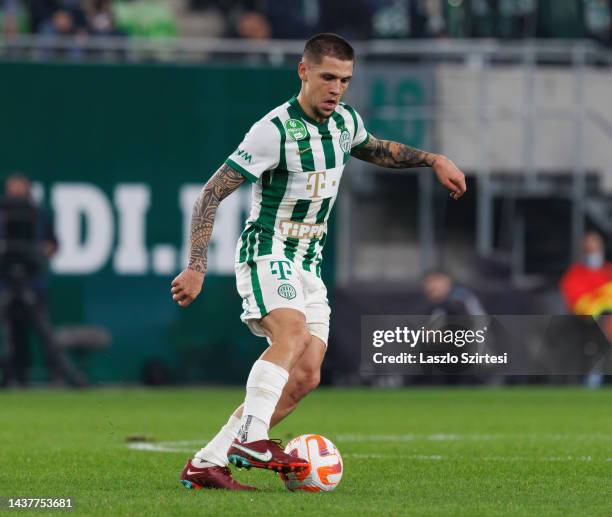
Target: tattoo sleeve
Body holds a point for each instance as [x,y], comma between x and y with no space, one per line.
[218,187]
[393,154]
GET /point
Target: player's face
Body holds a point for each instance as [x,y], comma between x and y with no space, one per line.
[324,84]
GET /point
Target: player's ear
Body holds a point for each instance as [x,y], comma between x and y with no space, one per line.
[302,70]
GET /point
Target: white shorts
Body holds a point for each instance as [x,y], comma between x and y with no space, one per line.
[276,282]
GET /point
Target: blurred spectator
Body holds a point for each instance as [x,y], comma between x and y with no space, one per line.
[436,24]
[232,12]
[101,19]
[203,18]
[447,297]
[8,18]
[66,21]
[587,285]
[61,23]
[597,19]
[27,241]
[254,25]
[60,17]
[299,19]
[587,288]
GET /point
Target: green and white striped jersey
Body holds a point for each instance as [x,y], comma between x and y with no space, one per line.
[295,165]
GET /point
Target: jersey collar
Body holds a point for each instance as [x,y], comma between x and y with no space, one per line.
[296,104]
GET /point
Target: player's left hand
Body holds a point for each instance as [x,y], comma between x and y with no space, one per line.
[450,176]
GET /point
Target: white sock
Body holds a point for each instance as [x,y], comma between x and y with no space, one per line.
[215,451]
[264,387]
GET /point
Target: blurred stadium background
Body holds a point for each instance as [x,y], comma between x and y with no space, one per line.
[119,111]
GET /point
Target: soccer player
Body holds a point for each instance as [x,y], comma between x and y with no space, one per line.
[294,157]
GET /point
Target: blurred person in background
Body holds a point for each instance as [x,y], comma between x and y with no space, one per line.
[101,19]
[586,288]
[598,20]
[27,241]
[66,21]
[254,25]
[8,17]
[243,18]
[443,297]
[448,298]
[61,17]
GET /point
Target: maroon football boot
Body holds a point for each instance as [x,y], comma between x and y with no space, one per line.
[264,454]
[197,478]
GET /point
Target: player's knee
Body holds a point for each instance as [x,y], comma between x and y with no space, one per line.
[296,335]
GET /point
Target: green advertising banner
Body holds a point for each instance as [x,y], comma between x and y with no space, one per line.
[119,153]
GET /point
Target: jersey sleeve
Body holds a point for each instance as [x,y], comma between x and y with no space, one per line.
[258,152]
[361,136]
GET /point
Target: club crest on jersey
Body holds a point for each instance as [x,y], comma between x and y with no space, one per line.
[345,141]
[287,291]
[296,129]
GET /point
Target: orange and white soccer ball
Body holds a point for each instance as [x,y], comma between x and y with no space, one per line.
[325,470]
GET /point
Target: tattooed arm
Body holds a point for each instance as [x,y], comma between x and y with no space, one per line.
[393,154]
[221,185]
[188,284]
[399,156]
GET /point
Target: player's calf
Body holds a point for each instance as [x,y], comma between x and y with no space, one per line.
[286,329]
[269,375]
[253,448]
[302,381]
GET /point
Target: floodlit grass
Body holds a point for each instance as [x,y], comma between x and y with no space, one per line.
[453,452]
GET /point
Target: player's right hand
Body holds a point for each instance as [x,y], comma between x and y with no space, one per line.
[186,286]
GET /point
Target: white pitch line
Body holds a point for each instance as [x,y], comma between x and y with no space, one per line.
[400,438]
[449,437]
[181,446]
[423,457]
[155,447]
[189,442]
[437,437]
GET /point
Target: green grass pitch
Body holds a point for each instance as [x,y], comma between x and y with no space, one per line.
[544,451]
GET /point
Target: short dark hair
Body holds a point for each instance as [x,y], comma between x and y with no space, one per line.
[328,44]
